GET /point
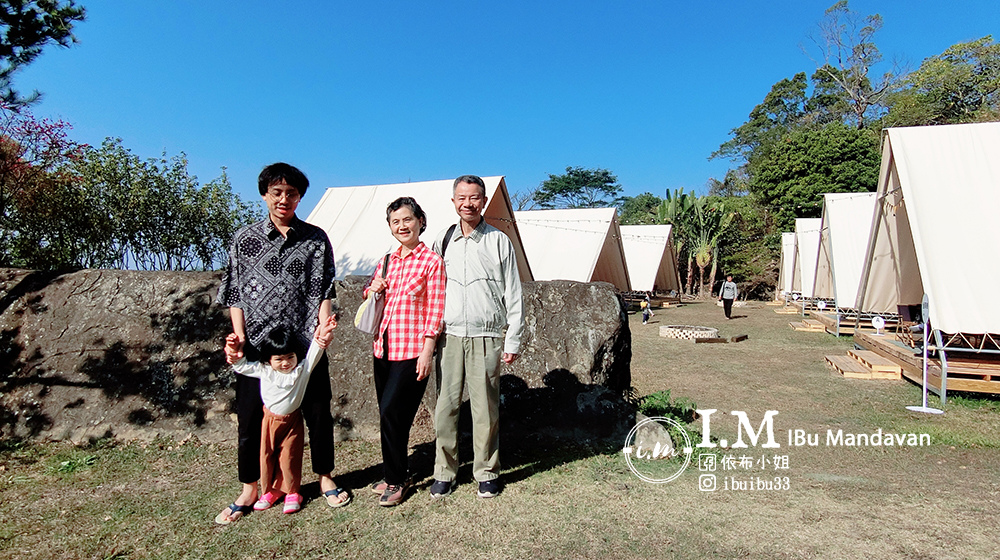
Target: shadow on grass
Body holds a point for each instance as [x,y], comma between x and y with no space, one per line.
[540,429]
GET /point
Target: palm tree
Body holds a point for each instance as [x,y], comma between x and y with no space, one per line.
[710,220]
[677,210]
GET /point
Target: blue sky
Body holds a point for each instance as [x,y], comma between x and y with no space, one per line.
[358,93]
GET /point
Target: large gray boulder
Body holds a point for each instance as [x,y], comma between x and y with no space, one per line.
[125,354]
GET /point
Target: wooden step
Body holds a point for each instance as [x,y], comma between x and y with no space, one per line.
[807,326]
[787,311]
[877,364]
[849,367]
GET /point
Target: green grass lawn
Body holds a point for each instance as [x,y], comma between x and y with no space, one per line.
[158,499]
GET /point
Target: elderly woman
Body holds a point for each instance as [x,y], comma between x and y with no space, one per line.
[414,284]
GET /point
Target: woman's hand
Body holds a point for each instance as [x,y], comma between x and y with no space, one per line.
[425,361]
[378,285]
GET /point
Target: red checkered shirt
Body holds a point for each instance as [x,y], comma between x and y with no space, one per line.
[414,309]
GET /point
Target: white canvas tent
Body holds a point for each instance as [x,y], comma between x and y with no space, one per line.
[806,255]
[354,219]
[650,258]
[581,244]
[786,268]
[935,228]
[846,223]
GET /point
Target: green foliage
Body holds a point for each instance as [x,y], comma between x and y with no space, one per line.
[68,206]
[792,176]
[152,214]
[660,404]
[960,85]
[579,188]
[751,247]
[639,210]
[782,108]
[26,27]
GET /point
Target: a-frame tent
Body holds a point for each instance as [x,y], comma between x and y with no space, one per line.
[650,258]
[786,266]
[846,224]
[934,223]
[582,244]
[354,219]
[806,255]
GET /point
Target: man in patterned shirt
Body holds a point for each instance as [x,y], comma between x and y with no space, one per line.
[280,271]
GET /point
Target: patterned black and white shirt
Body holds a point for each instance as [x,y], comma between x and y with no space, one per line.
[277,280]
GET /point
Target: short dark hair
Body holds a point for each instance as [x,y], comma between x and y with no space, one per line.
[278,342]
[402,201]
[280,172]
[472,180]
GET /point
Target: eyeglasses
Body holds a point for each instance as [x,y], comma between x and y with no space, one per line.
[287,195]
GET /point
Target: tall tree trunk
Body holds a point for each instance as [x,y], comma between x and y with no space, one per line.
[715,262]
[690,279]
[701,281]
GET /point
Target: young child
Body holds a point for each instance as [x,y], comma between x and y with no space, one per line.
[283,381]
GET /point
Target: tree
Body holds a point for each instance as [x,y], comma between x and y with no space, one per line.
[732,185]
[524,200]
[782,108]
[960,85]
[639,210]
[846,41]
[710,220]
[153,215]
[26,27]
[791,179]
[677,210]
[579,188]
[34,158]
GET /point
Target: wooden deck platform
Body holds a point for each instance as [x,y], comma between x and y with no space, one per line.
[966,372]
[807,325]
[829,321]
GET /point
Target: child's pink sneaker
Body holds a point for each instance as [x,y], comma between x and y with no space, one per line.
[266,501]
[293,503]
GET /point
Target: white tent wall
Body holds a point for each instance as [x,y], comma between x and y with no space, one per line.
[354,219]
[582,244]
[806,254]
[649,256]
[786,268]
[939,186]
[846,224]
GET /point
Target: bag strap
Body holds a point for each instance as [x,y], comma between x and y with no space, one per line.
[447,239]
[385,265]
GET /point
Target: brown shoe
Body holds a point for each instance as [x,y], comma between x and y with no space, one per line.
[393,495]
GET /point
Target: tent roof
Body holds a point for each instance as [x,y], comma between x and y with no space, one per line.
[582,244]
[354,219]
[649,256]
[806,254]
[939,190]
[847,221]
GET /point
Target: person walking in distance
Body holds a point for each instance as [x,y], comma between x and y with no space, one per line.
[727,293]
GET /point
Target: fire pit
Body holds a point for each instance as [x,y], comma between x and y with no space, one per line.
[688,332]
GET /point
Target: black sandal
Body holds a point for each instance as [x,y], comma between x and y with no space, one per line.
[236,512]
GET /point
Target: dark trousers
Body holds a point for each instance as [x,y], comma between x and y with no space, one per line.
[727,304]
[315,411]
[399,394]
